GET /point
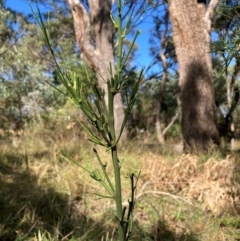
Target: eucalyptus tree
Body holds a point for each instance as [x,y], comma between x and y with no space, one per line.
[191,23]
[10,67]
[25,67]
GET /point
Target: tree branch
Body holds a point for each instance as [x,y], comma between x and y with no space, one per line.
[172,122]
[82,27]
[210,13]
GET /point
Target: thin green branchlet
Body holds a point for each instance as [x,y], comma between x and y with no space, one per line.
[101,117]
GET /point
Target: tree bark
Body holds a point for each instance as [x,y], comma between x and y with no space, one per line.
[163,42]
[191,23]
[98,54]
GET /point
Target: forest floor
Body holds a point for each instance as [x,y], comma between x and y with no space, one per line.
[179,197]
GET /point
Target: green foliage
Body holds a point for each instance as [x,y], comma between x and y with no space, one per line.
[26,65]
[226,63]
[227,24]
[144,112]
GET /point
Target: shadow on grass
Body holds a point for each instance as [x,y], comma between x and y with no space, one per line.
[161,232]
[29,210]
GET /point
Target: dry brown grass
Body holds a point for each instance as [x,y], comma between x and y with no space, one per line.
[213,183]
[178,197]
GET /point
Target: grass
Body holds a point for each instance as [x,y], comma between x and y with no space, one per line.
[54,199]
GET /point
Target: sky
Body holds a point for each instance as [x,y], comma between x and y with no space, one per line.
[21,5]
[143,58]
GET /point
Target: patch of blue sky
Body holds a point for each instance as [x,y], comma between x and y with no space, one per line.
[23,6]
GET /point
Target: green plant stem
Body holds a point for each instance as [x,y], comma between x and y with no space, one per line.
[118,193]
[120,44]
[116,165]
[103,120]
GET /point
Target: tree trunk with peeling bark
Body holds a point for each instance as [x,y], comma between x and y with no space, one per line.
[98,55]
[191,23]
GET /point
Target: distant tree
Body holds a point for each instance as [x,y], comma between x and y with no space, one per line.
[24,69]
[162,50]
[191,23]
[225,50]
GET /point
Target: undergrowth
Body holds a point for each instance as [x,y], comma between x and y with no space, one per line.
[54,200]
